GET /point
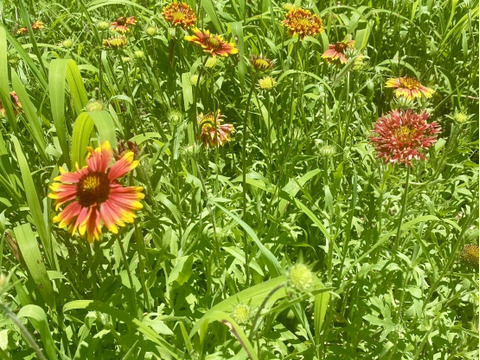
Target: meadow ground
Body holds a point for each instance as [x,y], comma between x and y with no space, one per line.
[239,179]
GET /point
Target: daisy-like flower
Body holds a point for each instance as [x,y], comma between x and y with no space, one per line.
[22,31]
[213,44]
[117,42]
[401,136]
[179,14]
[336,52]
[213,132]
[94,195]
[409,87]
[302,22]
[123,24]
[17,106]
[38,25]
[260,63]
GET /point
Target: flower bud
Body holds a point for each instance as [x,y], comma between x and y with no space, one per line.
[103,25]
[300,277]
[241,313]
[151,31]
[94,106]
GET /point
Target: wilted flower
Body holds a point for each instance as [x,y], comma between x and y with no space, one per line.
[409,88]
[241,313]
[401,136]
[267,83]
[123,24]
[103,25]
[213,132]
[302,22]
[17,106]
[213,44]
[260,63]
[94,195]
[151,31]
[470,254]
[179,14]
[300,277]
[336,52]
[117,42]
[124,147]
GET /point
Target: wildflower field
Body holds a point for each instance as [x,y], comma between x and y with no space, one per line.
[245,179]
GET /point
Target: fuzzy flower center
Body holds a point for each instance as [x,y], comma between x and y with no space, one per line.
[409,83]
[214,43]
[178,16]
[405,133]
[340,47]
[93,188]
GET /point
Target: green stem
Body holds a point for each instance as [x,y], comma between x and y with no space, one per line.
[244,180]
[130,278]
[402,212]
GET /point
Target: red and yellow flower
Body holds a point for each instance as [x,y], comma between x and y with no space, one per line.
[213,132]
[38,25]
[22,31]
[17,106]
[409,88]
[302,22]
[401,136]
[261,64]
[336,52]
[123,24]
[213,44]
[94,195]
[179,14]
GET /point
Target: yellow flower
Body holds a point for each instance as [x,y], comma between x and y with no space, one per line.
[213,44]
[409,88]
[302,22]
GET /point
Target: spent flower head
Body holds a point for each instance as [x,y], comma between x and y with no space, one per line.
[470,254]
[213,132]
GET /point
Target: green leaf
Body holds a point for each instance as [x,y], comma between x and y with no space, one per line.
[28,246]
[122,316]
[38,318]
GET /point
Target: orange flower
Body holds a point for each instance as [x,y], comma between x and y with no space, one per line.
[38,25]
[213,44]
[94,195]
[22,31]
[302,22]
[122,24]
[336,52]
[17,106]
[179,14]
[213,132]
[409,88]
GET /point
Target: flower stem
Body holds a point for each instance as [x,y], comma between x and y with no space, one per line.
[244,180]
[130,279]
[402,212]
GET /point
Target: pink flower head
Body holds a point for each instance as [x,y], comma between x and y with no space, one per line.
[401,136]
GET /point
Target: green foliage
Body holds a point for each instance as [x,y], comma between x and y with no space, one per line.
[221,227]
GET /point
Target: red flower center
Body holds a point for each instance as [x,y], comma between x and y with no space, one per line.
[93,188]
[121,21]
[409,83]
[340,46]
